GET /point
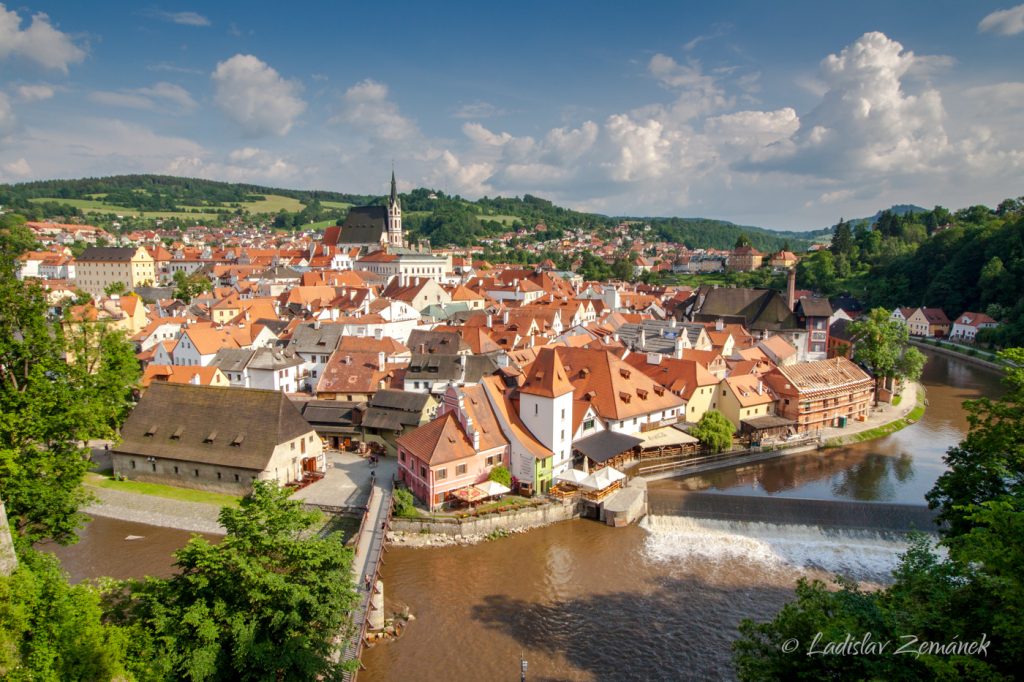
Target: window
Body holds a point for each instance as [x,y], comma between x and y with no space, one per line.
[153,465]
[460,469]
[588,424]
[563,413]
[196,472]
[423,471]
[440,474]
[401,456]
[133,464]
[563,434]
[236,478]
[175,469]
[218,475]
[293,445]
[536,409]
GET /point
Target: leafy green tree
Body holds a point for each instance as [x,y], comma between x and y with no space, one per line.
[742,240]
[187,287]
[115,289]
[622,269]
[714,431]
[842,239]
[405,504]
[268,602]
[500,474]
[50,630]
[881,344]
[50,407]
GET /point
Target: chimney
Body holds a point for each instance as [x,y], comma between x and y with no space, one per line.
[679,348]
[316,324]
[490,322]
[760,387]
[791,289]
[348,359]
[504,317]
[654,358]
[476,440]
[382,359]
[719,325]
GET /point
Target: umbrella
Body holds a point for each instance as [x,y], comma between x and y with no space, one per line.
[573,476]
[492,488]
[602,478]
[469,494]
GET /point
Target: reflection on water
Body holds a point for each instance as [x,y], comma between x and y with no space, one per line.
[121,549]
[897,468]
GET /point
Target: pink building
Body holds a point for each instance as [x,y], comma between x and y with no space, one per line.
[456,450]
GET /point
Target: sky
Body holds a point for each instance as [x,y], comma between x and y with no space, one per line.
[787,115]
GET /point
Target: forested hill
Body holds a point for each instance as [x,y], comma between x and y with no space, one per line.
[444,219]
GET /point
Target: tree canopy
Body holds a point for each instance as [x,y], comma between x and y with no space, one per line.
[714,430]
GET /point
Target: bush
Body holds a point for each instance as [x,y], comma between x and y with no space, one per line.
[714,431]
[500,474]
[404,503]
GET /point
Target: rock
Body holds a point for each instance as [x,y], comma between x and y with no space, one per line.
[410,617]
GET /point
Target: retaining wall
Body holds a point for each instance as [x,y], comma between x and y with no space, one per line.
[960,356]
[519,519]
[8,559]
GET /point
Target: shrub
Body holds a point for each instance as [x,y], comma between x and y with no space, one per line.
[500,474]
[404,503]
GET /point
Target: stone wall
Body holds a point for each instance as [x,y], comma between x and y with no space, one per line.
[519,519]
[978,362]
[220,479]
[8,560]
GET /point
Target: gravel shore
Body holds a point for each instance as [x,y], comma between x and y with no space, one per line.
[156,511]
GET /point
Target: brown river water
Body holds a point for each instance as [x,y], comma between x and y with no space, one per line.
[658,601]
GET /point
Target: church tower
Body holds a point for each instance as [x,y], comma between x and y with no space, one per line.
[394,215]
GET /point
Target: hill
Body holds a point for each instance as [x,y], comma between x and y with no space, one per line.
[131,200]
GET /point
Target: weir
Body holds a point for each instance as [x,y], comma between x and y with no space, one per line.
[879,516]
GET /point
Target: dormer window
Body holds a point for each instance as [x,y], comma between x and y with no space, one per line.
[178,433]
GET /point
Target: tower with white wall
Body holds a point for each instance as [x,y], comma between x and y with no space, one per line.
[545,407]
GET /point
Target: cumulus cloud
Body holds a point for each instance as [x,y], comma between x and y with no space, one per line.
[18,169]
[153,98]
[366,106]
[247,164]
[1005,22]
[40,42]
[478,110]
[255,96]
[35,93]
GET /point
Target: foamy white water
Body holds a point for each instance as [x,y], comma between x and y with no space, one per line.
[861,555]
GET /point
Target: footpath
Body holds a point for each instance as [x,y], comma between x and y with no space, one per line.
[155,511]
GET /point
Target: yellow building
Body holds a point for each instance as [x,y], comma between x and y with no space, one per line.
[744,397]
[99,267]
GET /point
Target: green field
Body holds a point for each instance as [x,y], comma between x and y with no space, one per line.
[273,203]
[97,480]
[503,219]
[343,205]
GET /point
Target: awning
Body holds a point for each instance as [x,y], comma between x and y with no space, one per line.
[469,494]
[604,445]
[492,488]
[666,437]
[767,422]
[573,476]
[602,478]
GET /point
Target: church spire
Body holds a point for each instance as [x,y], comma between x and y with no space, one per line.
[394,189]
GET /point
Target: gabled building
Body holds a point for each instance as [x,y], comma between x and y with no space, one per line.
[967,326]
[821,394]
[742,397]
[218,439]
[100,267]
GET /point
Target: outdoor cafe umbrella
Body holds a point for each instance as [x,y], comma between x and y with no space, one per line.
[469,494]
[602,478]
[573,476]
[492,488]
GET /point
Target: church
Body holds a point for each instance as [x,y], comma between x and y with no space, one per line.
[370,228]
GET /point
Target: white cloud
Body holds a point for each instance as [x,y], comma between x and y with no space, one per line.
[40,42]
[482,136]
[255,96]
[35,93]
[183,18]
[1005,22]
[7,118]
[153,98]
[17,169]
[247,164]
[366,107]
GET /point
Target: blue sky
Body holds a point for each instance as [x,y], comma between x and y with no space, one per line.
[788,115]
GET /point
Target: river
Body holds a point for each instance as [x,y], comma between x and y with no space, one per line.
[659,601]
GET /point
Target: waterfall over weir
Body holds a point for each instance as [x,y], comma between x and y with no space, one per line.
[859,540]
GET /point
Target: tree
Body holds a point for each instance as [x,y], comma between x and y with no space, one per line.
[49,407]
[881,343]
[842,239]
[714,430]
[268,602]
[187,287]
[500,474]
[50,630]
[742,240]
[115,289]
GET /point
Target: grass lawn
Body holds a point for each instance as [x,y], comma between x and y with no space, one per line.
[273,203]
[158,490]
[885,429]
[336,204]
